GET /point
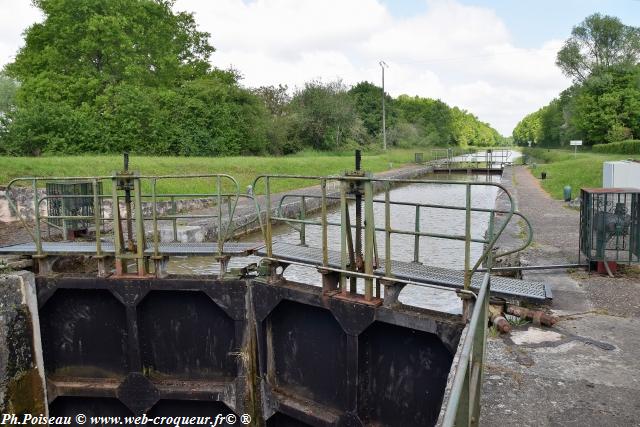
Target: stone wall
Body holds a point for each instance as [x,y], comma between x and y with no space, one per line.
[22,197]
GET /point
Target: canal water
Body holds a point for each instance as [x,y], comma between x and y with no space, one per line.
[433,251]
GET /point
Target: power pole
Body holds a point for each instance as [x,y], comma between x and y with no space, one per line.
[383,65]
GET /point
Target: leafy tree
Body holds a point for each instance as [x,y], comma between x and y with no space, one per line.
[8,89]
[596,43]
[367,99]
[325,115]
[92,44]
[607,106]
[112,75]
[528,130]
[276,99]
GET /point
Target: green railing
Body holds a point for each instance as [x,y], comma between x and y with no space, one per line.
[305,211]
[345,184]
[127,230]
[488,159]
[463,404]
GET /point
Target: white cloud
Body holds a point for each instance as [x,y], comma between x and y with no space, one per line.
[461,54]
[15,17]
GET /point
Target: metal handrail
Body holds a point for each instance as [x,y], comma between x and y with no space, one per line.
[463,405]
[225,231]
[302,221]
[367,181]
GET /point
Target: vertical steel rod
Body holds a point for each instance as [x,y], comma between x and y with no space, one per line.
[387,227]
[467,239]
[325,242]
[221,236]
[156,241]
[416,239]
[36,214]
[303,228]
[345,230]
[97,214]
[174,211]
[268,242]
[115,213]
[369,227]
[140,241]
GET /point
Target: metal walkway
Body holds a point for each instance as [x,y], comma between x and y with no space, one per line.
[500,286]
[171,248]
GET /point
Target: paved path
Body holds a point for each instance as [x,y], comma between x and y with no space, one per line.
[586,370]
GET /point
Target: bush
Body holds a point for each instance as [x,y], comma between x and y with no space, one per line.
[631,146]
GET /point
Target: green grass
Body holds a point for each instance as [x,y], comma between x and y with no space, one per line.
[244,169]
[583,171]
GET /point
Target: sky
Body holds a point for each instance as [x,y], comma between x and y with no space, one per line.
[494,58]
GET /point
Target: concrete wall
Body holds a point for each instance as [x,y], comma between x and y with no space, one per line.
[22,385]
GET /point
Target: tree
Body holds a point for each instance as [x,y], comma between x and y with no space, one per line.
[367,99]
[324,115]
[596,43]
[607,106]
[92,44]
[528,130]
[276,99]
[113,75]
[8,89]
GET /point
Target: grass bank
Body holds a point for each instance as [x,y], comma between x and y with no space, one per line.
[244,169]
[562,168]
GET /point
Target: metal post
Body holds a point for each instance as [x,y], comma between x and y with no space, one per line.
[357,191]
[416,238]
[345,230]
[369,230]
[467,304]
[96,214]
[127,202]
[219,201]
[155,218]
[490,229]
[477,358]
[140,240]
[174,211]
[303,228]
[325,242]
[387,227]
[117,225]
[36,214]
[268,242]
[467,239]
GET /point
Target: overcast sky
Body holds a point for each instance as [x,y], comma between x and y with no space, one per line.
[493,58]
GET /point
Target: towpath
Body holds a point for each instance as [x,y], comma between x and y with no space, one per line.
[585,371]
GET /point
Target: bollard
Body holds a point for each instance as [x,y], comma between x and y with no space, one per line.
[567,193]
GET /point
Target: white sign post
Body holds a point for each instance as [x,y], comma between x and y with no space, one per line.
[575,147]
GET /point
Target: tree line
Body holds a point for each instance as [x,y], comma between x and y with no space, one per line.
[603,104]
[105,76]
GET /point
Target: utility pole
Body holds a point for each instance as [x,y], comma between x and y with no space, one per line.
[383,65]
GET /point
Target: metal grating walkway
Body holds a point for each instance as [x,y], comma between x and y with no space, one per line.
[165,248]
[500,286]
